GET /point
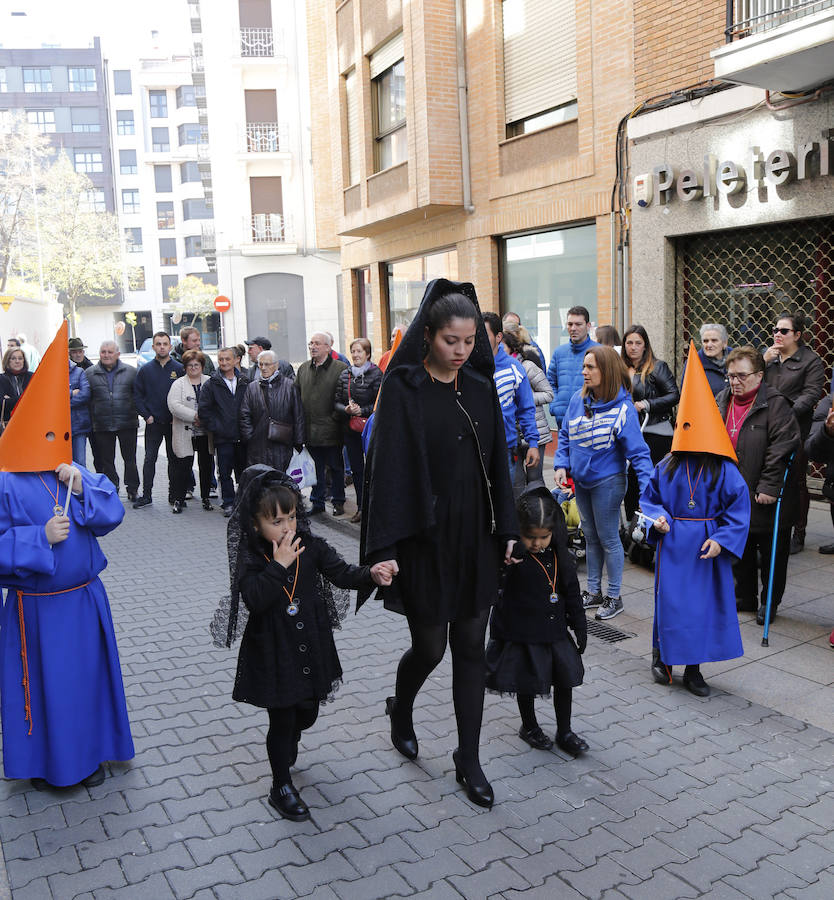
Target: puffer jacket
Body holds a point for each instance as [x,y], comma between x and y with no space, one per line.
[112,411]
[81,420]
[565,374]
[542,395]
[658,390]
[362,389]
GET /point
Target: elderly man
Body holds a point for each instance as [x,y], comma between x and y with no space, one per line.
[317,380]
[77,354]
[190,339]
[114,416]
[271,418]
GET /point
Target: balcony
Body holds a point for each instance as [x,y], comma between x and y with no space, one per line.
[269,228]
[778,45]
[257,42]
[266,137]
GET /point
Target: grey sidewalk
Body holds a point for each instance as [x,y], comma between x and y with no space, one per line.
[678,797]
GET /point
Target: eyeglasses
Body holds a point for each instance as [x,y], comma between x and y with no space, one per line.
[267,365]
[742,376]
[783,330]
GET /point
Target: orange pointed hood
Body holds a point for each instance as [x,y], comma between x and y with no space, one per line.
[38,436]
[700,428]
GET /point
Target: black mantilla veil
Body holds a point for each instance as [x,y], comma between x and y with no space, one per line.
[245,547]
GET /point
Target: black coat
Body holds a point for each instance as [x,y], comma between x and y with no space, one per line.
[280,400]
[801,380]
[285,659]
[766,439]
[11,390]
[363,390]
[659,389]
[820,446]
[219,409]
[112,411]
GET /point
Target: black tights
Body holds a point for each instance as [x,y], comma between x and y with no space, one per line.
[562,702]
[285,726]
[428,645]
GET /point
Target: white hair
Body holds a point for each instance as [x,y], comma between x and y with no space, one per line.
[328,337]
[267,356]
[111,344]
[712,326]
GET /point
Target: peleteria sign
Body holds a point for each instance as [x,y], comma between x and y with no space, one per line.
[813,159]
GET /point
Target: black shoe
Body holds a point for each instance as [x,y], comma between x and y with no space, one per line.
[95,779]
[286,799]
[760,615]
[694,682]
[338,509]
[742,606]
[535,737]
[661,673]
[571,743]
[207,505]
[179,505]
[131,496]
[316,510]
[142,501]
[40,784]
[797,543]
[827,549]
[227,511]
[478,789]
[403,739]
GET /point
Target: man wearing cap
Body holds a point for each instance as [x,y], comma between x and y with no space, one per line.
[256,346]
[150,392]
[77,354]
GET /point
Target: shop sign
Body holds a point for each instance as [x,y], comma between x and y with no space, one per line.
[813,159]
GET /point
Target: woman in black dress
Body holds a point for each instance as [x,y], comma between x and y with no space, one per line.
[438,503]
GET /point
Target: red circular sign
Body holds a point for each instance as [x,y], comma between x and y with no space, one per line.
[222,304]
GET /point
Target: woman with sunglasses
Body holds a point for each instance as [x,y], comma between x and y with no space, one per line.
[764,433]
[793,369]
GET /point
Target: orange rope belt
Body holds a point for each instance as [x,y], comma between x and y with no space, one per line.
[27,696]
[688,519]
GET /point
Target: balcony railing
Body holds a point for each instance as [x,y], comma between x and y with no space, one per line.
[269,228]
[747,17]
[257,42]
[265,137]
[208,241]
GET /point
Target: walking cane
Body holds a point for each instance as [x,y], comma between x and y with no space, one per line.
[769,601]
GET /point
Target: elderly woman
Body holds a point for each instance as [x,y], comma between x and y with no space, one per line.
[764,432]
[16,376]
[713,356]
[793,369]
[188,435]
[356,392]
[271,417]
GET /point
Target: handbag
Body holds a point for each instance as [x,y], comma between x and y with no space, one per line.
[355,423]
[278,432]
[828,489]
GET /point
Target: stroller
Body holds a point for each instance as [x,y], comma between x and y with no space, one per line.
[576,539]
[633,532]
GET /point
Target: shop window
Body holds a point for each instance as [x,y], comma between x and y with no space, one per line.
[364,318]
[407,280]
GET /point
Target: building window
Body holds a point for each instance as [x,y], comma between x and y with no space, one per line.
[159,104]
[388,86]
[85,119]
[165,214]
[82,78]
[364,308]
[534,95]
[195,209]
[127,162]
[3,86]
[93,201]
[189,133]
[353,136]
[168,282]
[167,251]
[44,119]
[162,179]
[136,278]
[189,171]
[193,245]
[36,81]
[124,121]
[88,161]
[160,140]
[133,240]
[407,282]
[185,96]
[121,81]
[130,200]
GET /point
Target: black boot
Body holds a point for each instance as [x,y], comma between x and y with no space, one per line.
[661,673]
[694,682]
[402,733]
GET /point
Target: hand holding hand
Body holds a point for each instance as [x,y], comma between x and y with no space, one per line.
[71,476]
[712,548]
[57,529]
[661,525]
[287,550]
[532,457]
[509,559]
[765,499]
[383,572]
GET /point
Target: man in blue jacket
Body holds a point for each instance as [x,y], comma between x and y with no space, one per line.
[515,396]
[565,370]
[153,382]
[81,420]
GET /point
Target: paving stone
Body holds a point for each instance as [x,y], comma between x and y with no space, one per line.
[649,856]
[154,887]
[159,837]
[593,881]
[803,860]
[382,884]
[186,883]
[377,828]
[304,878]
[428,841]
[707,868]
[661,884]
[22,871]
[537,869]
[496,877]
[108,874]
[598,842]
[366,860]
[765,880]
[139,867]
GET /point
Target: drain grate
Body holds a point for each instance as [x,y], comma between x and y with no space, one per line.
[607,632]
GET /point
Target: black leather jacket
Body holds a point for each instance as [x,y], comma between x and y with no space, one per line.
[659,390]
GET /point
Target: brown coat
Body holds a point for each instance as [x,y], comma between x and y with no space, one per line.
[801,379]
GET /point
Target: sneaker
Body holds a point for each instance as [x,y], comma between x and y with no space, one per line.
[612,606]
[213,494]
[589,600]
[142,501]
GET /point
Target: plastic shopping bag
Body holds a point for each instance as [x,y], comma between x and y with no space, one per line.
[302,469]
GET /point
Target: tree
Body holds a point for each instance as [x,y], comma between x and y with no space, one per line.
[192,295]
[81,249]
[24,153]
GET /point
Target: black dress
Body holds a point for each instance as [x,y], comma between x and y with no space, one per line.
[285,660]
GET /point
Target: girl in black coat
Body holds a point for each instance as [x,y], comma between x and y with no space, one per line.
[288,662]
[530,649]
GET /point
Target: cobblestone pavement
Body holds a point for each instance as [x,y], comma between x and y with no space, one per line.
[678,797]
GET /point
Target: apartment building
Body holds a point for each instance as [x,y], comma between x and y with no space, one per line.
[163,214]
[730,184]
[251,71]
[472,140]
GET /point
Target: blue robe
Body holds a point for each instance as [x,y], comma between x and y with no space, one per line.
[78,709]
[695,619]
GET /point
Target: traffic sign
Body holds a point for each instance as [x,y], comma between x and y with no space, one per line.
[222,304]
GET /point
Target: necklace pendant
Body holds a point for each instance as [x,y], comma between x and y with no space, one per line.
[554,598]
[292,609]
[58,510]
[691,504]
